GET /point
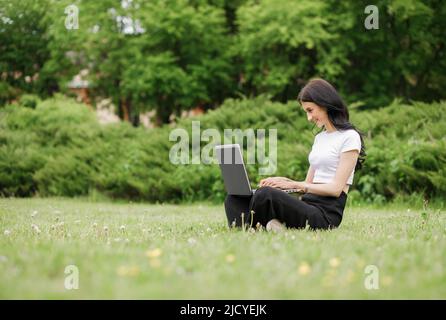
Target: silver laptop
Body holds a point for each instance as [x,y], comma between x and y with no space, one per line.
[233,170]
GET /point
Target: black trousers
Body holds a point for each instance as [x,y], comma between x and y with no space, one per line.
[319,212]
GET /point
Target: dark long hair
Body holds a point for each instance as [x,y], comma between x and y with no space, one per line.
[322,93]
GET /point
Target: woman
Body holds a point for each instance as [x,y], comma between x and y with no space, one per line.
[337,151]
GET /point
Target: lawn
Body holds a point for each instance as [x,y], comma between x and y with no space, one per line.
[143,251]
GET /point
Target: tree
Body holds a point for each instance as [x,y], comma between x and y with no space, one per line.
[278,42]
[24,49]
[182,59]
[167,56]
[403,58]
[284,43]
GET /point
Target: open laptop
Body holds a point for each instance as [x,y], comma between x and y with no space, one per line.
[233,170]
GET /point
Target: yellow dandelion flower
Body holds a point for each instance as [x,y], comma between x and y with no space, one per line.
[334,262]
[155,253]
[304,269]
[230,258]
[121,271]
[128,271]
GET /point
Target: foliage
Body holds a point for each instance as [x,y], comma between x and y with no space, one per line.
[278,42]
[24,49]
[58,148]
[177,55]
[167,56]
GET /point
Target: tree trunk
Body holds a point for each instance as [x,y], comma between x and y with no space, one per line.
[134,114]
[125,109]
[162,116]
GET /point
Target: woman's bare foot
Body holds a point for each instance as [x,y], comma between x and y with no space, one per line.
[275,225]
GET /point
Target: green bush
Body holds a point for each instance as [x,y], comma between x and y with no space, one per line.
[59,148]
[29,100]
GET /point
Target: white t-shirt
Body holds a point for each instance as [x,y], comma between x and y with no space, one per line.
[326,152]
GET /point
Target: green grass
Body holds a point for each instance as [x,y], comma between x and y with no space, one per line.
[200,258]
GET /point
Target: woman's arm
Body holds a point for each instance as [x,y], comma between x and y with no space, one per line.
[310,175]
[346,165]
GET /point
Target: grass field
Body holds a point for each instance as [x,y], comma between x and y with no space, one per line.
[187,252]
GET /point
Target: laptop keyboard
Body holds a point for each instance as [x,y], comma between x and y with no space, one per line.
[284,190]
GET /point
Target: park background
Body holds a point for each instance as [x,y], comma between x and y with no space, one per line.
[86,111]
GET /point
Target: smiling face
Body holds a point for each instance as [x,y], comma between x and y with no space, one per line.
[316,114]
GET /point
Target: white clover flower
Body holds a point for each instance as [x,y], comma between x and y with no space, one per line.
[34,213]
[7,232]
[36,228]
[122,228]
[105,228]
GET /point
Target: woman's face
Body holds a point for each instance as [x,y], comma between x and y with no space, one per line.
[316,114]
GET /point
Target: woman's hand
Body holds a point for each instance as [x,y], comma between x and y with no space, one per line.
[281,183]
[272,181]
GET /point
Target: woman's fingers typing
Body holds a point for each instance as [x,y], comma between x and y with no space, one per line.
[272,182]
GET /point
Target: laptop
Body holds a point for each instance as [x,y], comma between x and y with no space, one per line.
[233,170]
